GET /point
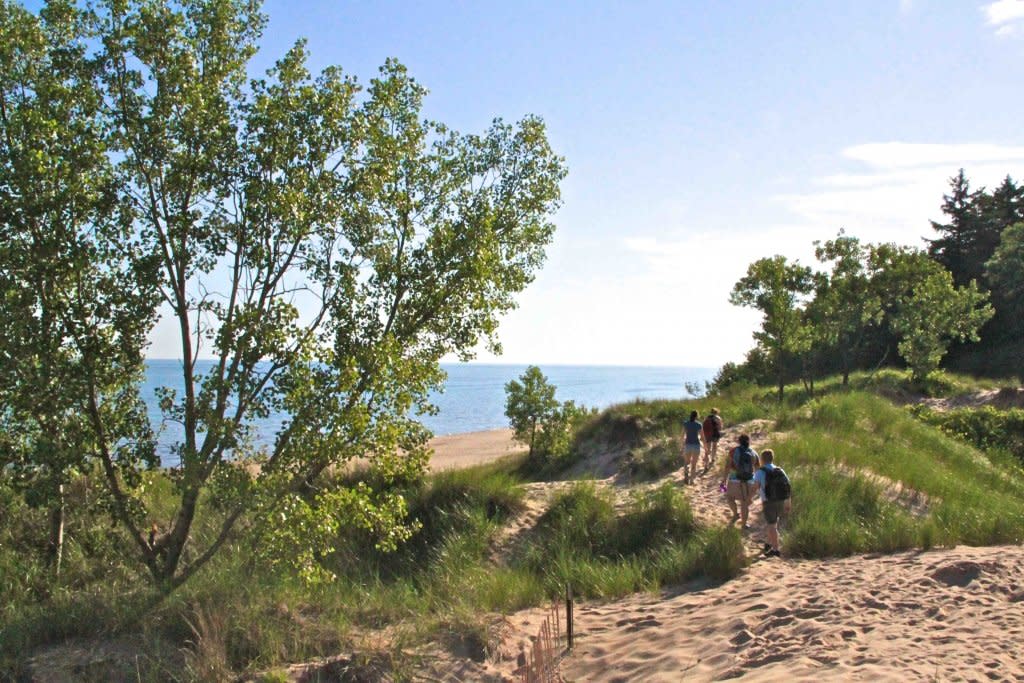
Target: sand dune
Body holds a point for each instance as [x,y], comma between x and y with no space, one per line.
[938,615]
[947,614]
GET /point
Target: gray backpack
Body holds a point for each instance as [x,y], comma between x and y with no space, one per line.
[744,461]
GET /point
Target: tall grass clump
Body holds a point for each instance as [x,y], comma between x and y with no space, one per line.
[867,476]
[581,540]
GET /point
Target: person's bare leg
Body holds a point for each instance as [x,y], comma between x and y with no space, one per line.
[772,531]
[744,506]
[732,506]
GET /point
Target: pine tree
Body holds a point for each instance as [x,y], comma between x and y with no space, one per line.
[956,247]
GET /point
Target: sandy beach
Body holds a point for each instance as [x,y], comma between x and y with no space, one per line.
[472,448]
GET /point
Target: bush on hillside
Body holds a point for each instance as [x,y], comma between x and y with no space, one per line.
[986,427]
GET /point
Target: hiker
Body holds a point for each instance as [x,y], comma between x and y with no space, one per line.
[775,499]
[712,433]
[691,447]
[738,483]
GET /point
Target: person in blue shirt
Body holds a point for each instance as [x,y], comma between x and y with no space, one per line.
[772,509]
[691,447]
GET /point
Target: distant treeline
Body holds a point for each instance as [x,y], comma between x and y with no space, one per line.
[959,303]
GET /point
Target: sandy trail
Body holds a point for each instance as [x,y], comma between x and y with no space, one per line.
[939,615]
[709,504]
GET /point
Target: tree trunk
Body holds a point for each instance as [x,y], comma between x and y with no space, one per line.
[56,544]
[533,435]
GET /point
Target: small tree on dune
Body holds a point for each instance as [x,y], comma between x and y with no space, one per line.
[529,404]
[845,304]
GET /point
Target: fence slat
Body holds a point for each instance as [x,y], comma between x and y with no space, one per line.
[540,663]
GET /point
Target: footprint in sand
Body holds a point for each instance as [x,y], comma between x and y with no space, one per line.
[637,623]
[742,638]
[959,574]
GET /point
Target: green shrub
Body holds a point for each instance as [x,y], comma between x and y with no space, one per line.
[723,555]
[987,428]
[655,460]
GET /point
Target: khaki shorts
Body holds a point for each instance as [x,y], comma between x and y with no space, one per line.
[735,489]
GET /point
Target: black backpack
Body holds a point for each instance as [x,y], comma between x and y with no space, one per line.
[776,485]
[744,463]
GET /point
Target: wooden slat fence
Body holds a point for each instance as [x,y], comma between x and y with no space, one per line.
[543,656]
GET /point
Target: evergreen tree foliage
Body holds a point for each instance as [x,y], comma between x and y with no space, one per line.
[960,246]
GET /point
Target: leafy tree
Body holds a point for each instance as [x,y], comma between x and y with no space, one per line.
[530,404]
[845,304]
[324,243]
[72,338]
[1005,270]
[935,314]
[775,287]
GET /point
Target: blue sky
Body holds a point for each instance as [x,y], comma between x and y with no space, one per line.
[699,137]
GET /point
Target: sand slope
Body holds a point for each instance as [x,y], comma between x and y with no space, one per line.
[939,615]
[948,614]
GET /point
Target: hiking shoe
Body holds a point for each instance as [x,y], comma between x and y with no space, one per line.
[766,549]
[773,553]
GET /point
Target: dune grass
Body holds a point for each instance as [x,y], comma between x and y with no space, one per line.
[653,542]
[834,448]
[846,450]
[239,616]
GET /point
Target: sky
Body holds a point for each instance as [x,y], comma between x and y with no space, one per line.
[699,137]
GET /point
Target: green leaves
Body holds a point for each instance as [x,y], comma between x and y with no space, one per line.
[529,404]
[326,245]
[1005,270]
[935,314]
[775,287]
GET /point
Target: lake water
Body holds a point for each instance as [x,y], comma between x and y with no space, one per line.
[474,395]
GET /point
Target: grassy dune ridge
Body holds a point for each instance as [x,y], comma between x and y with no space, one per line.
[868,476]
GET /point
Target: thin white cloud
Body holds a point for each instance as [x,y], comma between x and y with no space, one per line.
[1004,11]
[1007,16]
[906,6]
[896,155]
[897,188]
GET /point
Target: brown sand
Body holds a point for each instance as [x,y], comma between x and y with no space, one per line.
[938,615]
[948,614]
[474,448]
